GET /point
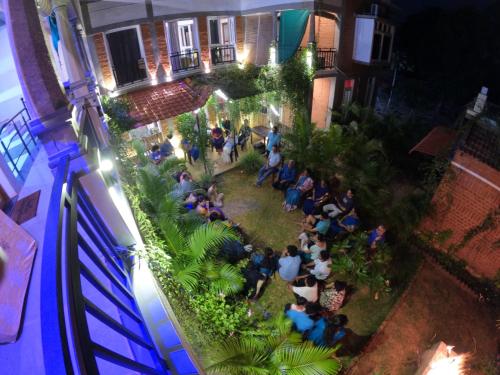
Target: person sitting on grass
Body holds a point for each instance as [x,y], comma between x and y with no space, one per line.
[340,206]
[333,295]
[320,196]
[313,225]
[321,267]
[301,321]
[328,332]
[375,237]
[155,154]
[347,224]
[289,263]
[216,214]
[311,250]
[309,290]
[266,264]
[215,197]
[286,176]
[302,187]
[271,166]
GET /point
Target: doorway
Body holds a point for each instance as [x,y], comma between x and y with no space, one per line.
[128,64]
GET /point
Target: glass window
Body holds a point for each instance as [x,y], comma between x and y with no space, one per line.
[214,32]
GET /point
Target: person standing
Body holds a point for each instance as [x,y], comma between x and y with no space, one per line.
[273,139]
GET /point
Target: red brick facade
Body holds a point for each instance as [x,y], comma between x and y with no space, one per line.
[465,197]
[147,42]
[102,57]
[203,35]
[240,35]
[162,45]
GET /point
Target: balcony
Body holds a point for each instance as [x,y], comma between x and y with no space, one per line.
[184,61]
[223,54]
[326,58]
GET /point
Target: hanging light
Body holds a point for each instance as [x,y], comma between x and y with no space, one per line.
[221,94]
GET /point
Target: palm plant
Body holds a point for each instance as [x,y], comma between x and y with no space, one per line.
[279,352]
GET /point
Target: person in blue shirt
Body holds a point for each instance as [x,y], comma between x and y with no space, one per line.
[155,154]
[271,166]
[273,139]
[286,176]
[375,237]
[328,332]
[289,263]
[347,224]
[297,314]
[313,225]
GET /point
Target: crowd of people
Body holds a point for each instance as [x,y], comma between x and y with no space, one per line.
[306,266]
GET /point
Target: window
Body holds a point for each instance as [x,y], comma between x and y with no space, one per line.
[221,30]
[185,30]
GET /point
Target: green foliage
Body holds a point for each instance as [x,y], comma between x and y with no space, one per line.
[251,162]
[219,317]
[117,110]
[186,123]
[223,278]
[279,351]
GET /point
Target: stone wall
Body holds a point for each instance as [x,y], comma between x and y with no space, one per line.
[162,45]
[102,57]
[147,41]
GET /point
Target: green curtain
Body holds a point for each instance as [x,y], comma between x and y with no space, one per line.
[292,27]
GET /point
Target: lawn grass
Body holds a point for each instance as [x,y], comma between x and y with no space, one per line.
[259,212]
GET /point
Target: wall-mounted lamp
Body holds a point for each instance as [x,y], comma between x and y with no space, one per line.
[221,94]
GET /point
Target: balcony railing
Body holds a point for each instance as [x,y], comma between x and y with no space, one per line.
[223,55]
[18,145]
[91,323]
[182,61]
[326,58]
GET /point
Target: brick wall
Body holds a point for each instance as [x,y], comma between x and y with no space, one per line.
[162,45]
[102,57]
[203,35]
[240,35]
[462,202]
[324,32]
[148,48]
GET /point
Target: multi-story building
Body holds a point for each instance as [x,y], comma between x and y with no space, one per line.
[68,301]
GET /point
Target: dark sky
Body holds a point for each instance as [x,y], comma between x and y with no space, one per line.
[414,6]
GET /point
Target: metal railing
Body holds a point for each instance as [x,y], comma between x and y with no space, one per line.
[90,319]
[185,60]
[325,58]
[18,143]
[223,54]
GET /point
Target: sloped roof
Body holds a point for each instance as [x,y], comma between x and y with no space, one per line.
[166,100]
[436,141]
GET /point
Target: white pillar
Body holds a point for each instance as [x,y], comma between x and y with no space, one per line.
[312,27]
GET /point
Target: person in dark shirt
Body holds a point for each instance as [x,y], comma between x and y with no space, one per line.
[342,206]
[155,154]
[286,176]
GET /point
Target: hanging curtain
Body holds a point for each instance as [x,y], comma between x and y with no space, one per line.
[292,27]
[54,32]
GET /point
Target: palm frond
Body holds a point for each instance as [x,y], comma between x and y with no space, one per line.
[151,186]
[186,275]
[189,222]
[174,238]
[207,237]
[224,278]
[171,165]
[169,208]
[306,360]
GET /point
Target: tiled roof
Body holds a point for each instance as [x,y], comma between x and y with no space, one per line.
[165,101]
[483,142]
[437,140]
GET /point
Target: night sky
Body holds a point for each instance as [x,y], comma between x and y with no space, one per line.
[414,6]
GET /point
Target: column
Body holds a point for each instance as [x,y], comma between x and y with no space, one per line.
[312,27]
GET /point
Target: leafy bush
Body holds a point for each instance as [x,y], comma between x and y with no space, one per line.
[251,162]
[185,126]
[218,317]
[118,119]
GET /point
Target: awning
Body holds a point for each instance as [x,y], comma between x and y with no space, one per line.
[436,141]
[292,27]
[166,100]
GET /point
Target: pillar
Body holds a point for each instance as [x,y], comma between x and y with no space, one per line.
[312,27]
[38,79]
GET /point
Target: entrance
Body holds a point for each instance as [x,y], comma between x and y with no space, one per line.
[128,63]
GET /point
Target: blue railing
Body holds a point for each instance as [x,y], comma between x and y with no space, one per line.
[90,321]
[18,145]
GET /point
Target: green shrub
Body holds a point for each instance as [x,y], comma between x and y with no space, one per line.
[251,162]
[116,110]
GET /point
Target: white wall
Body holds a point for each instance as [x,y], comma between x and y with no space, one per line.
[363,39]
[10,88]
[111,12]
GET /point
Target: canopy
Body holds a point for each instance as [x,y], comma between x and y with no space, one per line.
[292,27]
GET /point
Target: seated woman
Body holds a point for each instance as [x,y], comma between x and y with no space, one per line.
[228,149]
[311,224]
[332,297]
[293,194]
[320,196]
[347,224]
[286,176]
[217,139]
[215,197]
[328,332]
[215,213]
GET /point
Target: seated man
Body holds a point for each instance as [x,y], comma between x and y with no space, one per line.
[166,148]
[375,237]
[271,166]
[309,290]
[289,263]
[286,176]
[311,250]
[347,224]
[321,267]
[301,321]
[155,154]
[343,205]
[313,225]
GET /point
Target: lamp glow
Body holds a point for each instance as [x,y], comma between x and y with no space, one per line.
[197,110]
[113,94]
[275,111]
[221,94]
[206,66]
[105,165]
[309,59]
[272,56]
[154,81]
